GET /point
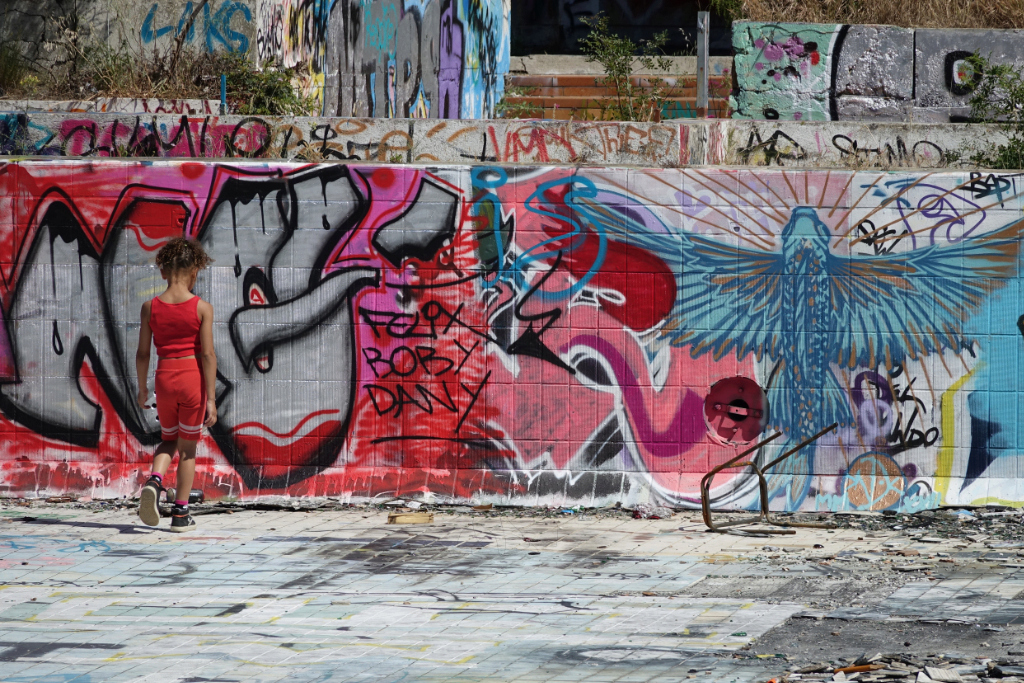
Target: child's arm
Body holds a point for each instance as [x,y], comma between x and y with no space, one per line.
[142,354]
[209,361]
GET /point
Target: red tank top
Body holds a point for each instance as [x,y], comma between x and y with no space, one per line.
[175,328]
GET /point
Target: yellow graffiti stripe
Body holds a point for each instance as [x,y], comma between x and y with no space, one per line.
[991,500]
[944,467]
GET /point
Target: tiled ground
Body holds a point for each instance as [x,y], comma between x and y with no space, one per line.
[274,596]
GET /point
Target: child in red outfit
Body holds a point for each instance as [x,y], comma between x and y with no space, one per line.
[181,326]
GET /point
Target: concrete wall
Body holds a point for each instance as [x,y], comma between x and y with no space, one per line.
[527,335]
[421,58]
[36,26]
[114,105]
[857,144]
[744,143]
[378,58]
[822,72]
[316,139]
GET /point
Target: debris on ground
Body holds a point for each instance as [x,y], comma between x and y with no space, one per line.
[411,518]
[648,511]
[907,667]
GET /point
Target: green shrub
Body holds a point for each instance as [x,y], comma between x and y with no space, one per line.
[730,10]
[12,67]
[998,98]
[618,56]
[269,91]
[518,110]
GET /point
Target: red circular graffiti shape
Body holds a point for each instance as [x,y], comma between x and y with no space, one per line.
[736,410]
[384,177]
[192,170]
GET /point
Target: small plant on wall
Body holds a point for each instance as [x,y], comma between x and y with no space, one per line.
[516,103]
[632,100]
[12,68]
[998,98]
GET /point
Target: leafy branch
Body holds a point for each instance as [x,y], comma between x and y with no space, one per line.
[634,100]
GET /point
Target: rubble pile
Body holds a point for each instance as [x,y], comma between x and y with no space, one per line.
[904,667]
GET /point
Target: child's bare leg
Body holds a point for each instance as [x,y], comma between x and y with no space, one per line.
[149,512]
[164,454]
[186,468]
[180,519]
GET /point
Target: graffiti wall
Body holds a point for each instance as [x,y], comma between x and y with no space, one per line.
[331,139]
[416,58]
[369,58]
[839,145]
[528,335]
[217,26]
[822,72]
[375,58]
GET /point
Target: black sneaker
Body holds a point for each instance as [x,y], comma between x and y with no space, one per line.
[181,521]
[149,513]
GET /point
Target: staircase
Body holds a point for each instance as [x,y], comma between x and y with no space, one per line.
[577,97]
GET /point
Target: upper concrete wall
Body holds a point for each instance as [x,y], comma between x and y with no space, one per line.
[822,72]
[37,26]
[377,58]
[424,58]
[578,143]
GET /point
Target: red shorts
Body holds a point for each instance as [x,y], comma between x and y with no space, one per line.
[180,398]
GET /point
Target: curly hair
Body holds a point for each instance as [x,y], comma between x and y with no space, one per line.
[182,254]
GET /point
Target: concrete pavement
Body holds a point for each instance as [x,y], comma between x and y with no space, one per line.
[91,595]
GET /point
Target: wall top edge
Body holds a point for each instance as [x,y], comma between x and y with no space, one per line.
[523,166]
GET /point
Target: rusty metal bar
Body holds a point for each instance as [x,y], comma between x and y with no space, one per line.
[765,516]
[705,487]
[803,444]
[776,461]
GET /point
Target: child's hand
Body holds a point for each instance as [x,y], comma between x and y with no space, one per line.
[143,395]
[211,412]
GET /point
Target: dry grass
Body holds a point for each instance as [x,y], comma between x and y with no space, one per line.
[909,13]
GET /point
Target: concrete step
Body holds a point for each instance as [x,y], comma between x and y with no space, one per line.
[592,86]
[593,108]
[587,97]
[577,64]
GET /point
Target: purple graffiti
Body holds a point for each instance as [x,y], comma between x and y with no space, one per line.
[449,80]
[687,426]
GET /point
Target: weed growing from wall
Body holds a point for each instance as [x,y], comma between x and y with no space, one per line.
[998,98]
[633,100]
[513,106]
[12,67]
[730,10]
[269,91]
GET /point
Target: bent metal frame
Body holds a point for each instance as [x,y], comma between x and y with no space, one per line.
[764,517]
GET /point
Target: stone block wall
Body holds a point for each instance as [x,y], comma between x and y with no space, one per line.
[529,335]
[822,72]
[944,80]
[783,71]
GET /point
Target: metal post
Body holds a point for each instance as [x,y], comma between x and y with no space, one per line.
[223,94]
[703,25]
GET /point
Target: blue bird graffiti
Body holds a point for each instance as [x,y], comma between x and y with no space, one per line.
[805,309]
